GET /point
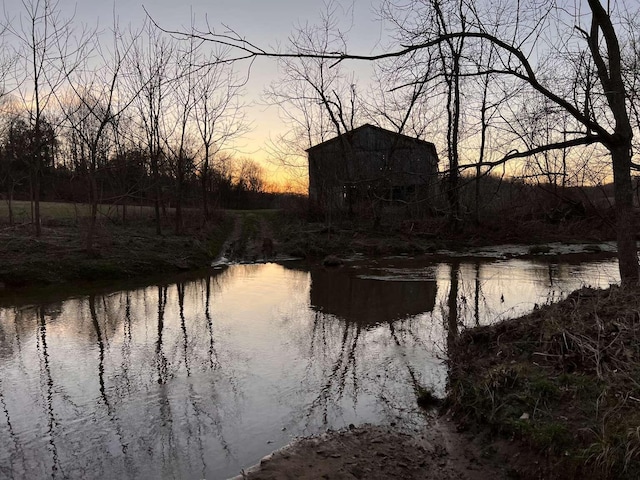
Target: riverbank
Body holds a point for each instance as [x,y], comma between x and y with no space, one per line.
[432,236]
[384,452]
[562,380]
[121,251]
[124,250]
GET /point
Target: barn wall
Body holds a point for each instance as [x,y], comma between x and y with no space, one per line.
[367,158]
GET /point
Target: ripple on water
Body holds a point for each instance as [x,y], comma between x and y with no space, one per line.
[199,378]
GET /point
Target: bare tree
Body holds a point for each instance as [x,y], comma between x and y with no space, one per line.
[218,115]
[14,169]
[487,109]
[92,111]
[600,107]
[148,73]
[451,55]
[43,44]
[129,163]
[409,98]
[317,99]
[248,176]
[177,133]
[583,77]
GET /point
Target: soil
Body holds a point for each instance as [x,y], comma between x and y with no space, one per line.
[251,240]
[384,452]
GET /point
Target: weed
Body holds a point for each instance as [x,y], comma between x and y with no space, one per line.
[426,398]
[554,437]
[562,379]
[544,387]
[539,249]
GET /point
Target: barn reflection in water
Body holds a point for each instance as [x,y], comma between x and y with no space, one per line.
[369,301]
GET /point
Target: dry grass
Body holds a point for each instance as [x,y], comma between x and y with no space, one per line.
[121,250]
[564,379]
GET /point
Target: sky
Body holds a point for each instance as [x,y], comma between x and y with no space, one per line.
[264,23]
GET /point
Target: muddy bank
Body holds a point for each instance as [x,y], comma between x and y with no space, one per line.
[371,452]
[563,380]
[378,452]
[433,237]
[552,395]
[135,250]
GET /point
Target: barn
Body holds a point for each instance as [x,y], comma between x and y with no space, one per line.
[368,164]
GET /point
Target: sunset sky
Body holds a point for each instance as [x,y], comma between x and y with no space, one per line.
[264,23]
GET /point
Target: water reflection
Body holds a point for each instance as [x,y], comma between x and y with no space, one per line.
[200,378]
[354,297]
[452,302]
[47,380]
[362,345]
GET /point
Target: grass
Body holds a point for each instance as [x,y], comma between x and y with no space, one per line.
[563,379]
[70,211]
[121,250]
[539,249]
[399,235]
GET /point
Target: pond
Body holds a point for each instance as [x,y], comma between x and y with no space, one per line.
[200,378]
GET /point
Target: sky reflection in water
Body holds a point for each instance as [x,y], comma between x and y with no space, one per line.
[201,378]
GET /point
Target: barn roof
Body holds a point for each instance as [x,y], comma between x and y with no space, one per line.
[368,126]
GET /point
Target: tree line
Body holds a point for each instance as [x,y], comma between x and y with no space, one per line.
[119,115]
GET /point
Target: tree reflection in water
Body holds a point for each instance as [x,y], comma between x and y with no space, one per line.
[199,377]
[46,381]
[111,412]
[100,413]
[453,314]
[363,342]
[161,361]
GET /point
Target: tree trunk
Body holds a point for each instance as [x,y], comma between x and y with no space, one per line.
[179,188]
[157,193]
[205,181]
[609,68]
[625,231]
[453,133]
[10,204]
[93,198]
[36,203]
[32,182]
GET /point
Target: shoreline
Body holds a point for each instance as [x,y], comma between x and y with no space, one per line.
[510,383]
[134,251]
[381,452]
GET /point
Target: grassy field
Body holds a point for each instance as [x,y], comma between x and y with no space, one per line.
[70,211]
[121,249]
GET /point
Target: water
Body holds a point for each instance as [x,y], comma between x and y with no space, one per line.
[201,378]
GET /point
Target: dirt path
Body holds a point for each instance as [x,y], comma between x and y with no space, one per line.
[251,239]
[377,452]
